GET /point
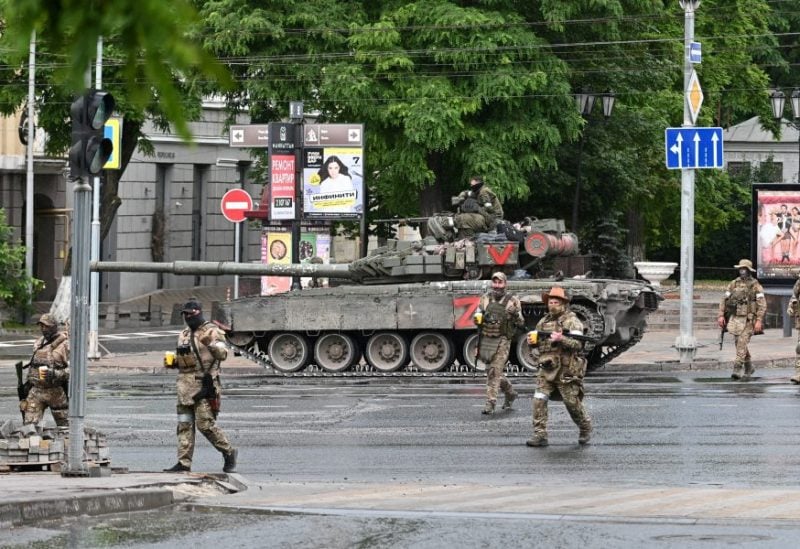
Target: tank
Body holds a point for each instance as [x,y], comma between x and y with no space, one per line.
[407,307]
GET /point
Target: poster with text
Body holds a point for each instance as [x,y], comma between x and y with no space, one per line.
[276,248]
[333,182]
[777,233]
[281,177]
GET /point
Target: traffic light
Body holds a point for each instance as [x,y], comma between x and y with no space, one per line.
[90,150]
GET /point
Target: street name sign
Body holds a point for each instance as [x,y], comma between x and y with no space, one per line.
[235,203]
[249,135]
[691,148]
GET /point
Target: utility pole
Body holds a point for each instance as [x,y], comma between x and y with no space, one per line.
[94,291]
[29,155]
[686,342]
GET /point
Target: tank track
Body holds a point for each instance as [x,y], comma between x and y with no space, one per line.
[365,370]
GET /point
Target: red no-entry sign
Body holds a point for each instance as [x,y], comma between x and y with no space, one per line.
[234,203]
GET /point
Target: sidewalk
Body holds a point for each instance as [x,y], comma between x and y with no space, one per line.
[35,496]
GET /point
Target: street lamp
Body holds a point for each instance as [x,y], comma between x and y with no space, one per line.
[585,102]
[778,99]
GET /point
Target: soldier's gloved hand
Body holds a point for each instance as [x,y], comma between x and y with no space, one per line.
[721,321]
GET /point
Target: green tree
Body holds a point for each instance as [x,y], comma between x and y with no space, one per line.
[15,284]
[153,41]
[446,89]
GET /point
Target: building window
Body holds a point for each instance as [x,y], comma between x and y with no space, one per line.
[771,172]
[739,169]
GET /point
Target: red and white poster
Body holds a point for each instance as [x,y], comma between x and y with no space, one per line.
[282,183]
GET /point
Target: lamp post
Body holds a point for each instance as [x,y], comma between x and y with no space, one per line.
[778,99]
[585,102]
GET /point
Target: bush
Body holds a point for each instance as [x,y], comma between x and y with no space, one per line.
[16,287]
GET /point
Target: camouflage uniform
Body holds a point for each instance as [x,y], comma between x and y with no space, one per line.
[48,388]
[489,211]
[561,371]
[745,305]
[501,317]
[206,343]
[793,311]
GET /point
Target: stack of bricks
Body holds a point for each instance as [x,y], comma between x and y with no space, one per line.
[28,444]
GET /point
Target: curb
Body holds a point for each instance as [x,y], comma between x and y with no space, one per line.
[15,513]
[697,365]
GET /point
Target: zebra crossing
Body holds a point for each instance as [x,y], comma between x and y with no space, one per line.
[28,342]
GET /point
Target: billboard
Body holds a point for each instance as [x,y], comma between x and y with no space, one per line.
[776,232]
[333,171]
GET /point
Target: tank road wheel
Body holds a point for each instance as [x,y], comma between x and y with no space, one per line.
[386,351]
[240,339]
[289,352]
[527,356]
[468,352]
[336,352]
[430,352]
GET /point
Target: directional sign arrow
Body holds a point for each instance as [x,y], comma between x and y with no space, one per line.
[692,148]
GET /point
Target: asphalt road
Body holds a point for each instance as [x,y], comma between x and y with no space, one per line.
[650,430]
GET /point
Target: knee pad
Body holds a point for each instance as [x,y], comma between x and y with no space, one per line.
[538,395]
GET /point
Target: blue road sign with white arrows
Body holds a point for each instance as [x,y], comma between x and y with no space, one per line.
[691,148]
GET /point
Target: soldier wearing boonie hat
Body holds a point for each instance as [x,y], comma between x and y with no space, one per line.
[741,313]
[498,316]
[561,366]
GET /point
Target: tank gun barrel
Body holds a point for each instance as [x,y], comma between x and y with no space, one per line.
[223,268]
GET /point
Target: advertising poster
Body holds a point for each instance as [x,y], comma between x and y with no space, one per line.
[777,231]
[333,181]
[276,248]
[281,176]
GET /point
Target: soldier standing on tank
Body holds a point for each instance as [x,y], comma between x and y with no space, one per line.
[741,311]
[794,311]
[479,208]
[561,367]
[200,351]
[48,375]
[498,316]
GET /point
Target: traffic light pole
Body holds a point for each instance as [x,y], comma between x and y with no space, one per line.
[79,315]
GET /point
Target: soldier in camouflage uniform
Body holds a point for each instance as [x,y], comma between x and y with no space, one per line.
[794,311]
[741,311]
[498,316]
[48,375]
[480,209]
[200,351]
[561,367]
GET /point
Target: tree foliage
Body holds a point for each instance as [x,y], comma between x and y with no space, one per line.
[153,40]
[15,284]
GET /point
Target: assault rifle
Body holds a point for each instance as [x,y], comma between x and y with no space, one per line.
[23,387]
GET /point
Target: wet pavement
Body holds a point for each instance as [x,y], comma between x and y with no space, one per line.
[32,497]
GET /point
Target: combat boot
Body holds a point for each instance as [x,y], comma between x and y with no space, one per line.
[230,461]
[737,371]
[509,400]
[795,378]
[537,441]
[489,408]
[748,371]
[178,468]
[585,433]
